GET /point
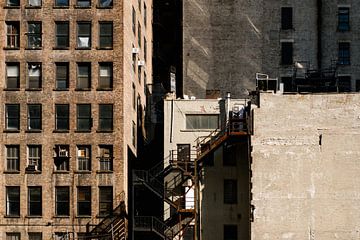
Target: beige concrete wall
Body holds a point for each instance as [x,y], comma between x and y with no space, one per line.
[305,167]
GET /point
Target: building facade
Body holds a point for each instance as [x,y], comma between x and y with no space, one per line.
[73,79]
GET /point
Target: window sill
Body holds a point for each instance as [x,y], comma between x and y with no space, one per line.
[83,48]
[11,172]
[33,48]
[61,131]
[11,216]
[82,89]
[82,131]
[104,7]
[61,172]
[104,48]
[11,131]
[11,89]
[33,131]
[33,7]
[82,7]
[32,172]
[84,216]
[105,131]
[82,172]
[33,89]
[33,216]
[61,7]
[64,216]
[61,89]
[11,48]
[12,7]
[104,171]
[61,48]
[104,89]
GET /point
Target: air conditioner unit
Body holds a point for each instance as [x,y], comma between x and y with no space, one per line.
[141,63]
[82,153]
[63,152]
[135,50]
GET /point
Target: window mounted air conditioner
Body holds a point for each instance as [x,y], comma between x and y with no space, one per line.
[63,152]
[135,50]
[141,63]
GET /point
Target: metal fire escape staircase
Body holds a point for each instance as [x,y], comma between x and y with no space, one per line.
[181,172]
[113,226]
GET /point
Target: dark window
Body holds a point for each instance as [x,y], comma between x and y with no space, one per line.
[34,35]
[105,200]
[230,232]
[84,120]
[62,34]
[134,96]
[105,3]
[229,155]
[230,191]
[286,53]
[145,49]
[34,3]
[12,75]
[106,117]
[83,75]
[105,34]
[34,76]
[12,201]
[106,157]
[344,53]
[139,74]
[12,158]
[287,81]
[12,34]
[34,117]
[61,159]
[62,204]
[35,235]
[139,34]
[145,15]
[13,236]
[286,18]
[84,34]
[62,117]
[84,201]
[105,75]
[357,85]
[343,19]
[133,20]
[344,83]
[84,158]
[183,153]
[61,3]
[62,75]
[34,201]
[83,3]
[34,157]
[13,3]
[12,114]
[202,121]
[133,134]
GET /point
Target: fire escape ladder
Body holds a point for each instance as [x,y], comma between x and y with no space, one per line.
[153,224]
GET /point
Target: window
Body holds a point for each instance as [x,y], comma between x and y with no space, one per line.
[84,34]
[344,53]
[34,158]
[105,3]
[286,18]
[106,117]
[344,83]
[343,19]
[35,235]
[62,34]
[357,85]
[34,116]
[230,232]
[83,3]
[34,76]
[13,201]
[12,114]
[286,53]
[133,133]
[145,49]
[84,120]
[84,201]
[106,157]
[34,3]
[145,15]
[82,236]
[183,152]
[61,3]
[83,75]
[13,3]
[133,20]
[62,76]
[134,96]
[12,34]
[62,236]
[62,117]
[134,61]
[12,158]
[83,158]
[105,34]
[61,159]
[229,155]
[202,121]
[145,83]
[105,75]
[230,191]
[34,201]
[62,201]
[287,81]
[139,74]
[12,75]
[34,35]
[139,34]
[105,200]
[13,236]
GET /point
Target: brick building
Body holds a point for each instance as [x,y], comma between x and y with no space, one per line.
[73,80]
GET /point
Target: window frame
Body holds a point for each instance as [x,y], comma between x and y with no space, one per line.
[60,78]
[106,155]
[57,5]
[34,203]
[286,18]
[343,19]
[230,191]
[108,203]
[13,161]
[287,53]
[31,42]
[38,78]
[12,123]
[31,117]
[85,203]
[65,36]
[86,118]
[12,82]
[32,158]
[9,4]
[62,119]
[199,119]
[62,206]
[106,123]
[101,5]
[13,203]
[88,5]
[344,53]
[61,158]
[108,36]
[79,34]
[103,78]
[83,162]
[12,34]
[83,79]
[35,235]
[13,236]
